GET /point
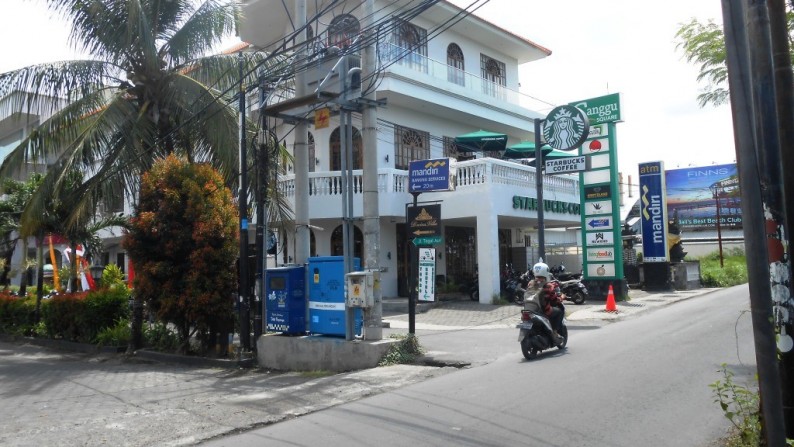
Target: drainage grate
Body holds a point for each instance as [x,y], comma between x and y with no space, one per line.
[631,304]
[654,300]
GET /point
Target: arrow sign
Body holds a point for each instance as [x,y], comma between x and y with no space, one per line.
[421,232]
[427,240]
[601,223]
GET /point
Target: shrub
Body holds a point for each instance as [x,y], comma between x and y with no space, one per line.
[733,272]
[80,316]
[403,352]
[740,406]
[160,338]
[116,335]
[112,277]
[17,314]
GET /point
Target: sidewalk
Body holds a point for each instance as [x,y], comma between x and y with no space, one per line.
[53,397]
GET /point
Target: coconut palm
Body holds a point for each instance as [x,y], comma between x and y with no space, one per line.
[148,90]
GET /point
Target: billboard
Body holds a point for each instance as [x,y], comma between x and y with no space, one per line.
[653,213]
[697,195]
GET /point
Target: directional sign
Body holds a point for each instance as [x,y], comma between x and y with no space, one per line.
[599,223]
[424,220]
[427,240]
[430,175]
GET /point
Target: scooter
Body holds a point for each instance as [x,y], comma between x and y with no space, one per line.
[560,273]
[535,333]
[574,290]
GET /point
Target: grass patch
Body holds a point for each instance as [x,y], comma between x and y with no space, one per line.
[733,272]
[405,351]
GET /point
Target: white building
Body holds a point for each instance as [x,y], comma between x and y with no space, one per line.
[442,73]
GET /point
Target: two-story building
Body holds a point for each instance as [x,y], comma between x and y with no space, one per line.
[440,73]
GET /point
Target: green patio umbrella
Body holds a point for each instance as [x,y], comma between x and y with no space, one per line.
[482,140]
[525,149]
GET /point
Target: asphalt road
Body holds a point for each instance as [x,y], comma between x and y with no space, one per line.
[642,381]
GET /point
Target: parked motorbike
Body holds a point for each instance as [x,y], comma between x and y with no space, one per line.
[574,290]
[535,332]
[473,288]
[562,274]
[511,285]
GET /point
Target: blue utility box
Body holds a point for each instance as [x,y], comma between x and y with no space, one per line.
[285,303]
[326,278]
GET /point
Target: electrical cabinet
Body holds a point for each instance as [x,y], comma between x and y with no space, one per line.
[360,288]
[285,299]
[326,278]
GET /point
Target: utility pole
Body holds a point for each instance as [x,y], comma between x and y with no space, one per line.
[242,198]
[748,116]
[373,325]
[784,79]
[300,150]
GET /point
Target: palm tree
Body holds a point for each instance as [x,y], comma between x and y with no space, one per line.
[147,91]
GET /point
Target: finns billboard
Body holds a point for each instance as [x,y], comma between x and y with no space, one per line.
[698,196]
[652,212]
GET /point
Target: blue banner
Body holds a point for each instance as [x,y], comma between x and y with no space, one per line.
[429,175]
[653,212]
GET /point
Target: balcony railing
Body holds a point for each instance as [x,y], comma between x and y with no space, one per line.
[471,173]
[397,58]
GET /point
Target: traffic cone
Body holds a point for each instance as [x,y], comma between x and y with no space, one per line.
[611,307]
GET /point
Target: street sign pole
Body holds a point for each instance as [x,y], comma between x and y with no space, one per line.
[412,283]
[539,188]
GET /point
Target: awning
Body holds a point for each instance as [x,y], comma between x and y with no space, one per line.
[482,140]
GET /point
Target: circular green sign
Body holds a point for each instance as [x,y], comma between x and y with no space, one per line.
[566,128]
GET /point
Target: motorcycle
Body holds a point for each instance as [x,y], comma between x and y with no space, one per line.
[511,285]
[574,290]
[535,332]
[560,273]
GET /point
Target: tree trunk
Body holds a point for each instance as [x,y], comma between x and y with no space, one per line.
[136,325]
[39,275]
[23,281]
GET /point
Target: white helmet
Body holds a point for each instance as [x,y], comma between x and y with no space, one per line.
[540,269]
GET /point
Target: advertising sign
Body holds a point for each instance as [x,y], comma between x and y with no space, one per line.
[566,165]
[566,127]
[697,195]
[427,274]
[430,175]
[604,109]
[597,192]
[603,269]
[423,220]
[598,208]
[595,255]
[653,212]
[600,238]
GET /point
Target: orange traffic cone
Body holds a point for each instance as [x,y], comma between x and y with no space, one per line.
[611,307]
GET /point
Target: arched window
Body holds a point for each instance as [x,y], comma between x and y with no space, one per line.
[411,43]
[493,72]
[410,144]
[455,66]
[342,31]
[337,242]
[336,150]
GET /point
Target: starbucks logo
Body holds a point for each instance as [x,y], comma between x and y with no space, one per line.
[566,127]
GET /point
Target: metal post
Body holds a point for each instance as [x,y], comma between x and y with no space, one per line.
[539,189]
[413,262]
[242,198]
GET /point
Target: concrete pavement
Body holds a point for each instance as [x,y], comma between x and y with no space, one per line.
[55,397]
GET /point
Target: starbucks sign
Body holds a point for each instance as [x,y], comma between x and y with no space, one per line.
[566,128]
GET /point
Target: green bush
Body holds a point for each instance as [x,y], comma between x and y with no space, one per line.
[160,338]
[80,316]
[733,272]
[113,277]
[17,314]
[116,335]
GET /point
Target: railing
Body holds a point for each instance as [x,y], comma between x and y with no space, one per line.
[470,173]
[468,83]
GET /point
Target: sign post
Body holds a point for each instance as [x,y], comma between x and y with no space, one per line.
[422,227]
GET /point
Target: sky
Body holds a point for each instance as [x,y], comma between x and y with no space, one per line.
[598,48]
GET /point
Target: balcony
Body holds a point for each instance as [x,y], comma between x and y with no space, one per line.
[480,179]
[410,64]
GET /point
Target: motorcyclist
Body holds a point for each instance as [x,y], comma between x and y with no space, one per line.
[545,296]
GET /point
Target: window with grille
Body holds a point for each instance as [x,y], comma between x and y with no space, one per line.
[494,77]
[336,150]
[410,44]
[455,66]
[410,144]
[342,31]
